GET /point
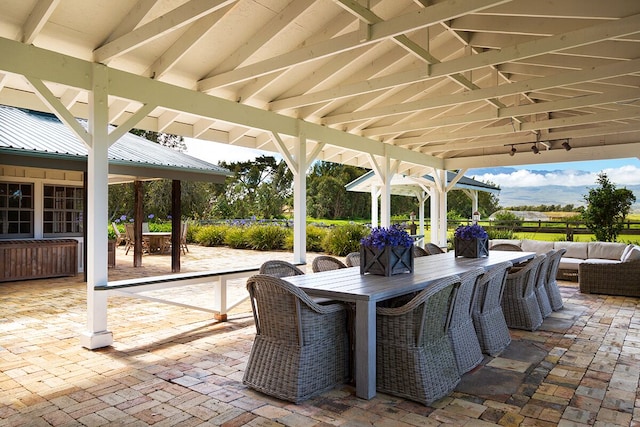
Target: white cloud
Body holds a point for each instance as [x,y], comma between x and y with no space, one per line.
[625,175]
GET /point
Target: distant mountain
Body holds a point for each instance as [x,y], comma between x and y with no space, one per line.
[545,194]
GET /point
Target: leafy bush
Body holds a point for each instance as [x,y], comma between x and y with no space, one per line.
[341,241]
[507,219]
[315,236]
[211,235]
[265,237]
[236,237]
[500,234]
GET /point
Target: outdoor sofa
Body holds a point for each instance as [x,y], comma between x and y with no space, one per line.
[600,267]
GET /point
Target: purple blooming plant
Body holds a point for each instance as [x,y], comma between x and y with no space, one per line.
[392,236]
[468,232]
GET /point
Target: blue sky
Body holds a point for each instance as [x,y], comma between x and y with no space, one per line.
[622,172]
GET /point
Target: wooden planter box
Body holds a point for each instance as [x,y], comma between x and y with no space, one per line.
[386,262]
[34,259]
[471,248]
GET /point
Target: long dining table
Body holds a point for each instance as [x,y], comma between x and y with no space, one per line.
[348,285]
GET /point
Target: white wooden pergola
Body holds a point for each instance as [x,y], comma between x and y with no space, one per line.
[398,86]
[422,188]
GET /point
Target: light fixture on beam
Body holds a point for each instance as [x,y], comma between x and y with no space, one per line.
[566,145]
[513,151]
[535,149]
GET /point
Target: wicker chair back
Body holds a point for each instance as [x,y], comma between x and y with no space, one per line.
[553,290]
[301,348]
[326,263]
[277,268]
[414,355]
[488,319]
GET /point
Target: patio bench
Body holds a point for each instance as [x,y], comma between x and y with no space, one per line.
[133,287]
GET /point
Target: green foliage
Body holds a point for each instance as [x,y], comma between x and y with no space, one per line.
[315,236]
[327,196]
[340,241]
[236,237]
[607,207]
[211,235]
[507,219]
[546,208]
[500,234]
[459,202]
[265,237]
[260,187]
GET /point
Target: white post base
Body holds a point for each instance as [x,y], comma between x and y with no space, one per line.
[97,340]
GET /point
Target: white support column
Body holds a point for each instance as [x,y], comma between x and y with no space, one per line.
[97,335]
[474,201]
[300,201]
[442,206]
[435,216]
[385,196]
[375,192]
[421,201]
[439,208]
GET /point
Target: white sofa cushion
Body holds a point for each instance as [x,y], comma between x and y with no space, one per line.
[570,263]
[606,250]
[632,254]
[574,249]
[626,251]
[537,246]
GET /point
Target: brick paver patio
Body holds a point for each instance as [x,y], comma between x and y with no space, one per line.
[175,366]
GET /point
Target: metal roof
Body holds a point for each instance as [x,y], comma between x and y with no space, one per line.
[26,133]
[444,84]
[403,185]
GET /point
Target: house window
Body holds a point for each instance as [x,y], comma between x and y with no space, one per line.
[16,210]
[63,208]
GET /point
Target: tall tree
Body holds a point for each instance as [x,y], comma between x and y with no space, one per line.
[261,187]
[607,207]
[327,196]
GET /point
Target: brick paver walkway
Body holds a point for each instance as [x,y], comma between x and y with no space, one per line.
[174,366]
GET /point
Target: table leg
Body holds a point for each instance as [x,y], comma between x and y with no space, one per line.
[365,352]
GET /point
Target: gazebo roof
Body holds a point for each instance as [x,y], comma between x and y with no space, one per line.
[403,185]
[30,138]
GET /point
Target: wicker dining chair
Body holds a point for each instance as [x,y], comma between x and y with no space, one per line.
[506,247]
[464,340]
[414,356]
[352,259]
[553,290]
[301,348]
[519,302]
[433,249]
[544,303]
[326,263]
[418,252]
[488,319]
[277,268]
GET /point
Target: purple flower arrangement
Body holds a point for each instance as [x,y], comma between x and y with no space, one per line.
[468,232]
[381,237]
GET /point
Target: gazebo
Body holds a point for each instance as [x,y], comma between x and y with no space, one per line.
[422,188]
[398,86]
